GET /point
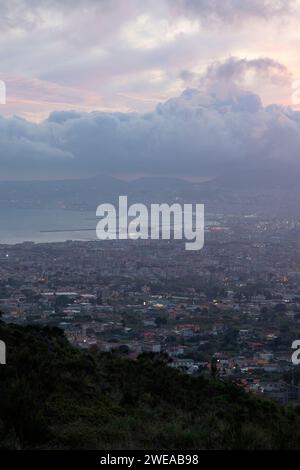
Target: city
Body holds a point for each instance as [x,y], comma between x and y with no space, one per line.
[231,309]
[149,231]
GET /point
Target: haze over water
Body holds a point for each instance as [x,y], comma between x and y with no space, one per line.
[19,225]
[48,225]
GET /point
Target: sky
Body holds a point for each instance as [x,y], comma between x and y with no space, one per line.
[140,87]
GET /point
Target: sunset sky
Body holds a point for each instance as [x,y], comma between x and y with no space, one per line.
[130,55]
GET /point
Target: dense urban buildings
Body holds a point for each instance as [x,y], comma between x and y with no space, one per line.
[231,310]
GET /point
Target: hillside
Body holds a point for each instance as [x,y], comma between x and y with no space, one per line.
[54,396]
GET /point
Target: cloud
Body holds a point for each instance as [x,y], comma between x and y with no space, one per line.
[25,143]
[234,70]
[127,55]
[199,132]
[33,99]
[231,11]
[223,78]
[26,15]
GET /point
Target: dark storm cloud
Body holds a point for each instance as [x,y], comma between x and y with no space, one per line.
[194,134]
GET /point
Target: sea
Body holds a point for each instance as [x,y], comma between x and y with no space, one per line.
[48,225]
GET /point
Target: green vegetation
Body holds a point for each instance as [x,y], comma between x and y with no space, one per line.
[55,396]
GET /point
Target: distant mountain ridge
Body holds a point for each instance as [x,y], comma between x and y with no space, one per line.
[238,186]
[89,192]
